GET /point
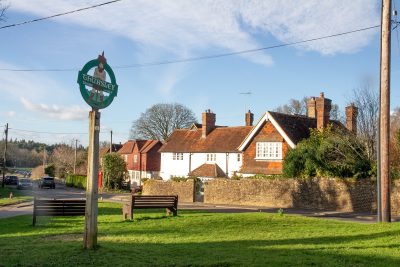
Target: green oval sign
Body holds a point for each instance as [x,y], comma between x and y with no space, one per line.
[95,90]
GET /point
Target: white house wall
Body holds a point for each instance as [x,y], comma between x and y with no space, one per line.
[180,168]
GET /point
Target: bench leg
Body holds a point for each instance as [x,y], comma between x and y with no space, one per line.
[34,220]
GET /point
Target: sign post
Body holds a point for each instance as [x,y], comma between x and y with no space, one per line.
[98,93]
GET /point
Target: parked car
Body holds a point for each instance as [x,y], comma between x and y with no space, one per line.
[24,184]
[11,180]
[47,182]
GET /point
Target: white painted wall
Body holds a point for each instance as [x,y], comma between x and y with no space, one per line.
[170,167]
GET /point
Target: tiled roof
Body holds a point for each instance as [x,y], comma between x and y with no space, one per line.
[224,139]
[143,146]
[297,127]
[127,148]
[208,170]
[106,149]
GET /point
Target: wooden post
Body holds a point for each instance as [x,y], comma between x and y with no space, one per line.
[90,235]
[5,157]
[384,118]
[76,147]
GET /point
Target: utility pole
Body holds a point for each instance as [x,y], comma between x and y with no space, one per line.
[5,156]
[111,150]
[76,147]
[384,118]
[91,212]
[44,159]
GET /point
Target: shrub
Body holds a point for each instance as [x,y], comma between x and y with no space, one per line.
[328,153]
[78,181]
[114,169]
[50,170]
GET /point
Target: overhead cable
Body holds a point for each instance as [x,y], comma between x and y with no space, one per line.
[191,59]
[59,14]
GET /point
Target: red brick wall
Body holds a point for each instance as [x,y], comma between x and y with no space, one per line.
[267,133]
[152,160]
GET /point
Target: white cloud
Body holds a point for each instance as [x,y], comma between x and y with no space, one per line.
[181,25]
[57,112]
[11,114]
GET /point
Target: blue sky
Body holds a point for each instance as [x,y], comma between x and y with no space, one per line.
[135,32]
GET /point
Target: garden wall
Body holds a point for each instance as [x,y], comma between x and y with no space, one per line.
[323,194]
[184,189]
[317,193]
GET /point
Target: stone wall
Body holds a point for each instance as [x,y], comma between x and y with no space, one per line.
[318,193]
[184,189]
[322,194]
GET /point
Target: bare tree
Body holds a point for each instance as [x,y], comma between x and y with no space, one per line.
[3,7]
[160,120]
[294,106]
[299,107]
[366,98]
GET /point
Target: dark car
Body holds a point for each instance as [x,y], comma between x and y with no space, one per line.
[11,180]
[24,184]
[47,182]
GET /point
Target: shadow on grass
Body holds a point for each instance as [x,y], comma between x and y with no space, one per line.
[330,251]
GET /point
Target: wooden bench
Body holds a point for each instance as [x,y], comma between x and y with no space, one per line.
[170,203]
[58,207]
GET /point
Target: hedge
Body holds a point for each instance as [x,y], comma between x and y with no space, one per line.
[78,181]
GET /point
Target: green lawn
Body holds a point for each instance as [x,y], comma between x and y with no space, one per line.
[17,197]
[198,239]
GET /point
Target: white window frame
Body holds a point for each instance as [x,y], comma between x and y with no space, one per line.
[269,150]
[126,158]
[177,156]
[211,157]
[239,157]
[135,157]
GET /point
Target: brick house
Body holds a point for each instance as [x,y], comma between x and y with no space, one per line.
[204,150]
[142,159]
[266,145]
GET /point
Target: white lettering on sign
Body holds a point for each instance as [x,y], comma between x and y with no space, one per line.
[104,86]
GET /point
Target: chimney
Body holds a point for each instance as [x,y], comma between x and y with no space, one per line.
[249,118]
[351,118]
[208,123]
[311,105]
[323,108]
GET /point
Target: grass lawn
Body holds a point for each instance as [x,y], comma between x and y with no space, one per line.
[198,239]
[17,197]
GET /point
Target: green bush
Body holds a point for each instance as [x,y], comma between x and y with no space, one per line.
[328,153]
[78,181]
[114,169]
[50,170]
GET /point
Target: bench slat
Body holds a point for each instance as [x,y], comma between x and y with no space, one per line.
[58,207]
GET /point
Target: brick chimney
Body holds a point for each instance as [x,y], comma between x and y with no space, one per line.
[208,123]
[249,118]
[323,108]
[351,118]
[311,105]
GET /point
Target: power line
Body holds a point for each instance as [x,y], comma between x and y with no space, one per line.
[60,14]
[149,64]
[55,133]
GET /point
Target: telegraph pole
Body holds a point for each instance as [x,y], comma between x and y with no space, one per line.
[76,147]
[384,118]
[5,156]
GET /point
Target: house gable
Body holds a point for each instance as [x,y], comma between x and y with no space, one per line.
[267,117]
[251,164]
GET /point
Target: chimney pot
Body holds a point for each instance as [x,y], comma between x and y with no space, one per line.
[351,118]
[249,118]
[323,109]
[208,123]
